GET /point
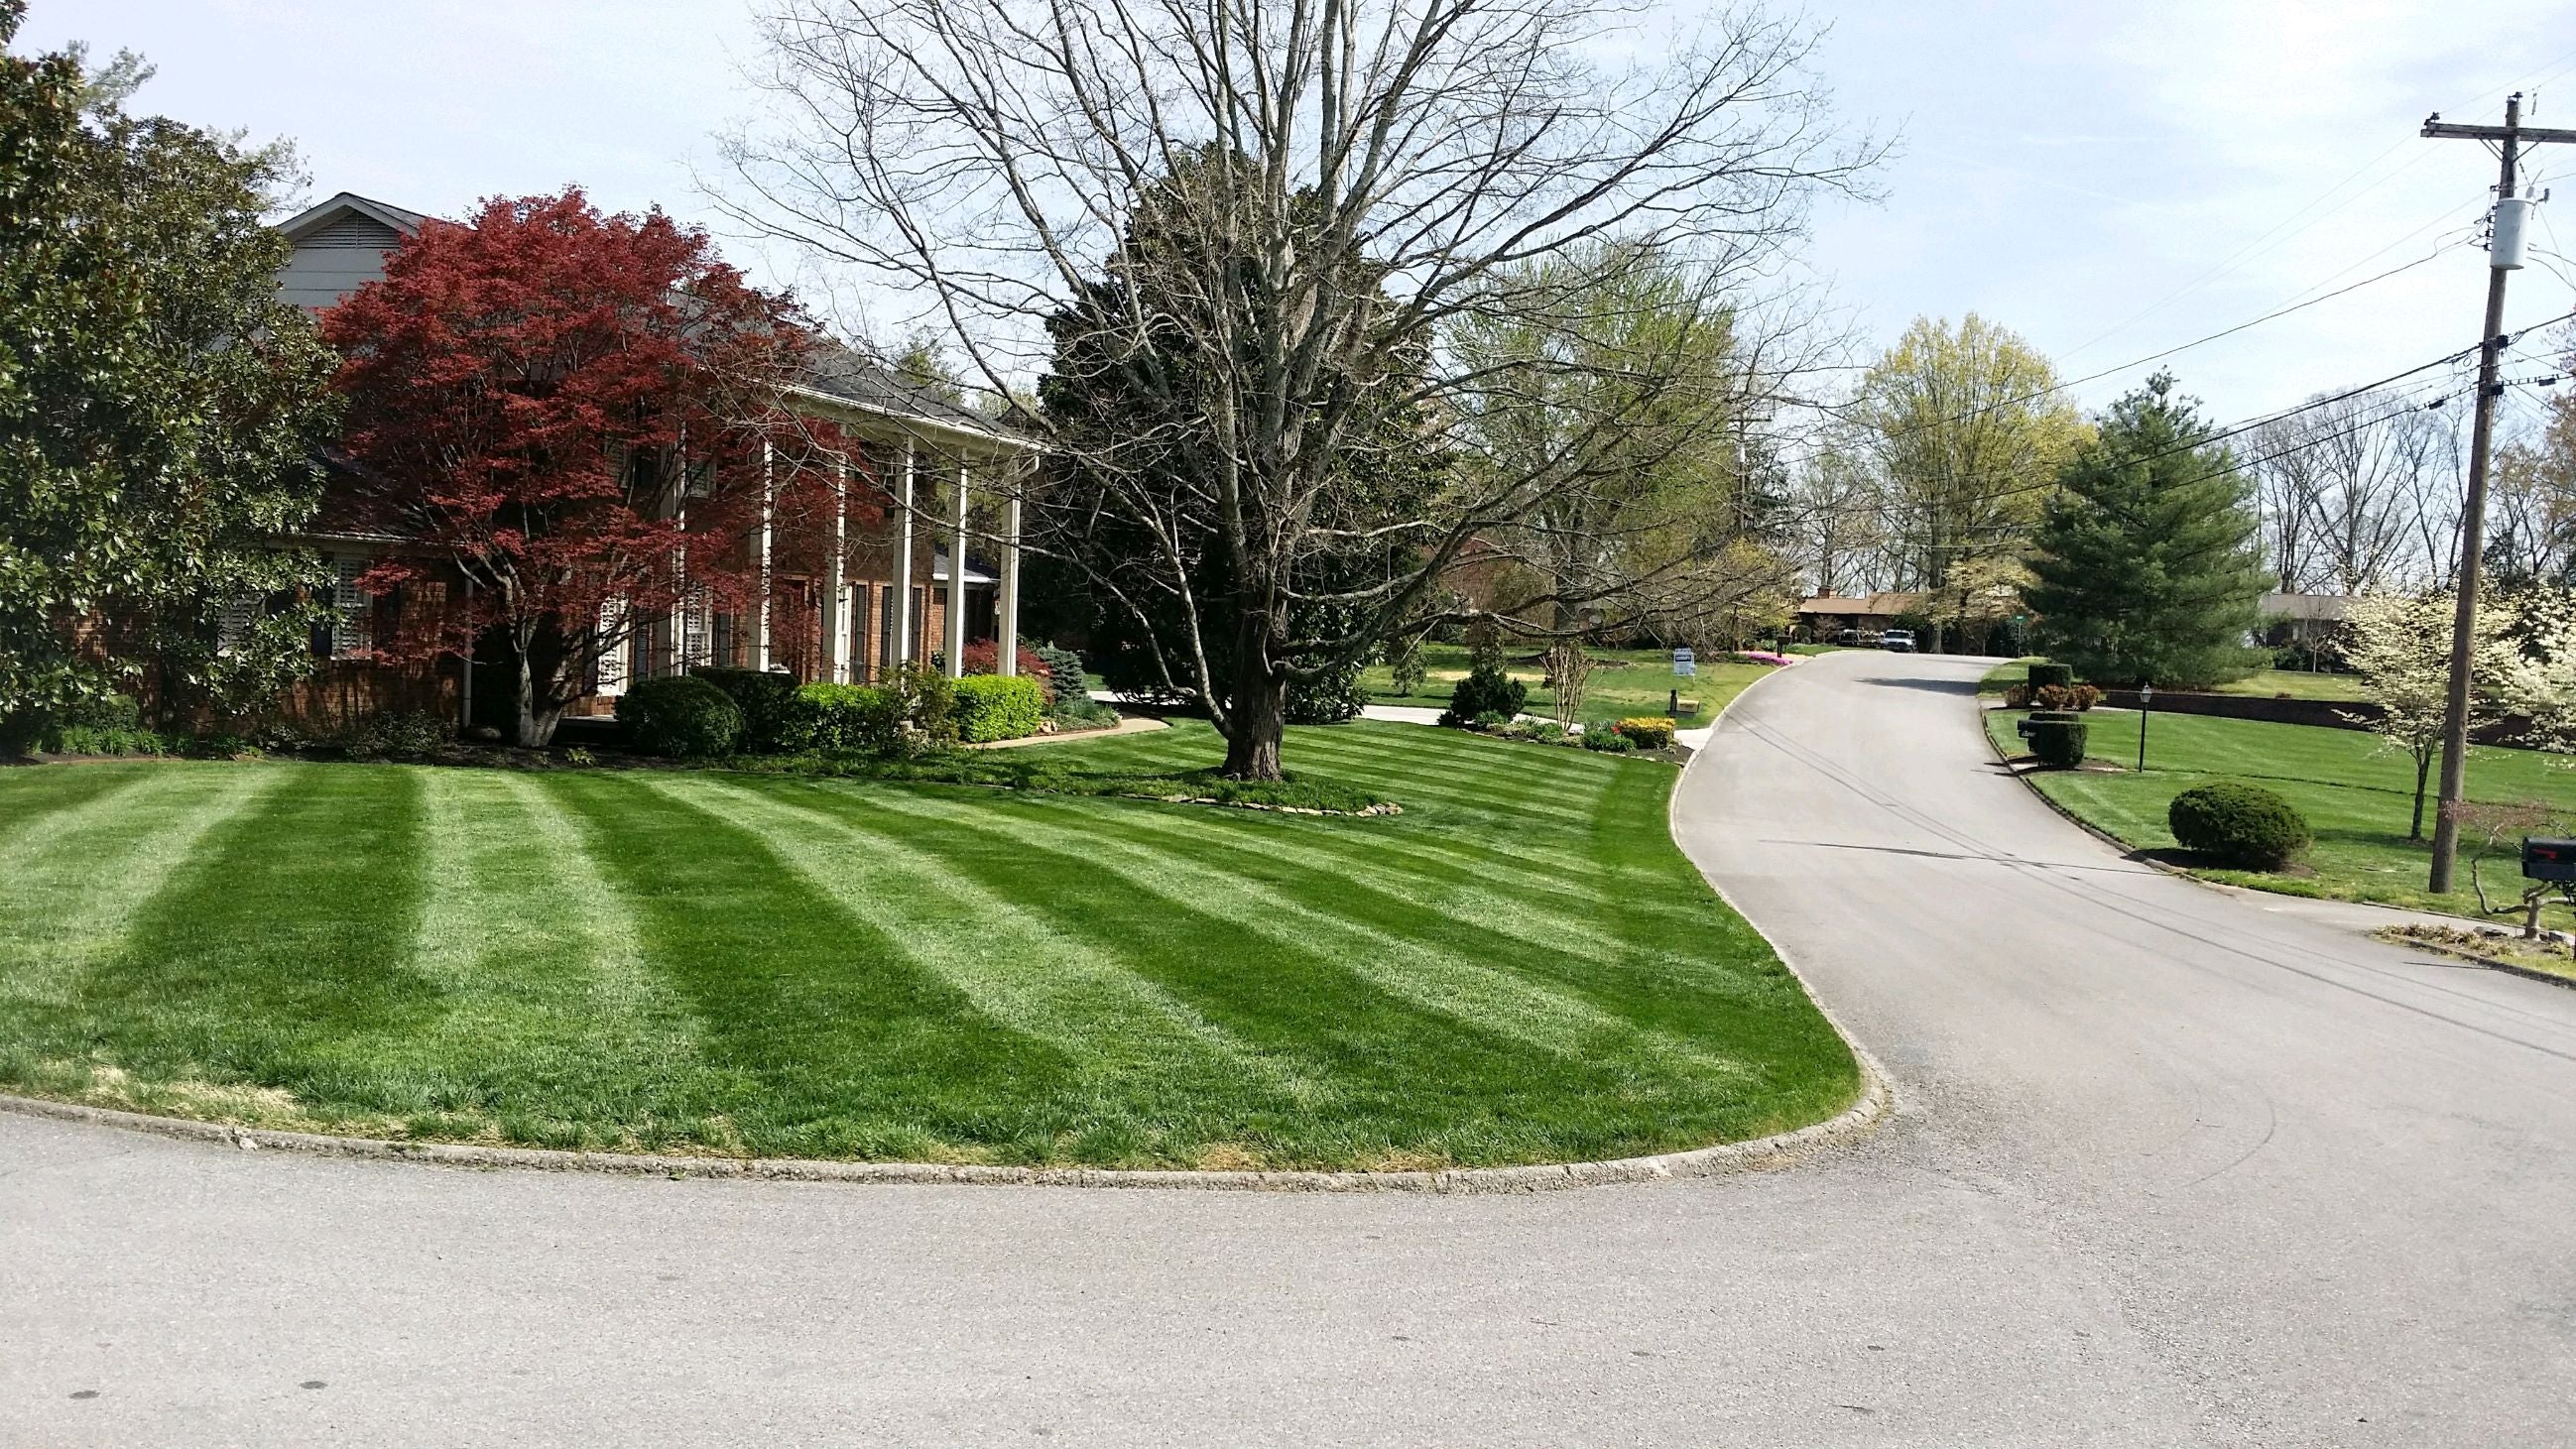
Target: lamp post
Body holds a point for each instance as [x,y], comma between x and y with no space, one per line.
[2146,709]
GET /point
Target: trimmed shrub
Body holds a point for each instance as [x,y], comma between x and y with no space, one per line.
[2043,673]
[1650,732]
[1491,721]
[2058,743]
[1609,741]
[928,700]
[2069,697]
[767,699]
[390,736]
[838,717]
[998,707]
[1485,691]
[2245,826]
[681,716]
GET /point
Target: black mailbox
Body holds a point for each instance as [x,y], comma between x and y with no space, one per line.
[2548,859]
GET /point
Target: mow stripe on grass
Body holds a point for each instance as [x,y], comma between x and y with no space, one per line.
[541,969]
[286,935]
[854,1050]
[1014,966]
[1432,980]
[65,911]
[1402,1066]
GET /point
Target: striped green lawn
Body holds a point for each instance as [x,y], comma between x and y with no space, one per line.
[2358,796]
[1519,968]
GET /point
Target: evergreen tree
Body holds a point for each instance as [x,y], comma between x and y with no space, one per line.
[2148,569]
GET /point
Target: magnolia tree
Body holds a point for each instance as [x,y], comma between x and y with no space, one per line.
[159,405]
[1261,224]
[580,415]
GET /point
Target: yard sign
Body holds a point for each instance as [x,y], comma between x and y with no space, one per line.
[1685,665]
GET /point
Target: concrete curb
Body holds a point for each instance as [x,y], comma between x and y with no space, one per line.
[1876,1098]
[1877,1088]
[2394,936]
[1542,1177]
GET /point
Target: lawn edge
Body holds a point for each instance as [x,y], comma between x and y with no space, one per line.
[1875,1100]
[2139,855]
[2391,935]
[1758,1152]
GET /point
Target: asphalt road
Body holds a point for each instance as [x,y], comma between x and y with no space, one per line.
[2170,1167]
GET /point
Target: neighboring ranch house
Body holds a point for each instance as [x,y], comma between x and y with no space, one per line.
[852,591]
[1824,617]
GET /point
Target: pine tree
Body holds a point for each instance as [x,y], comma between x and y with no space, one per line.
[2148,570]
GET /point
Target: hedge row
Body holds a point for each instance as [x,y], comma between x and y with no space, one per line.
[999,707]
[712,712]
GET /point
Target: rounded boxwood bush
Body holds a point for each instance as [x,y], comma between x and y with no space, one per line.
[2245,826]
[2057,743]
[681,716]
[767,699]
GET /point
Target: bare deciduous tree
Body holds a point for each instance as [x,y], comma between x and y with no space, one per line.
[1365,176]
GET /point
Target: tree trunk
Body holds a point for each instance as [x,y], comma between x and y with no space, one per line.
[2423,767]
[538,712]
[1259,718]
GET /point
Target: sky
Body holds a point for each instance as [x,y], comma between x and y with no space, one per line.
[2106,179]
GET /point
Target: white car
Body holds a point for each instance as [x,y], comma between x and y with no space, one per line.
[1900,640]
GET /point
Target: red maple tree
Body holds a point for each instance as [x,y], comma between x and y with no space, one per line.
[579,413]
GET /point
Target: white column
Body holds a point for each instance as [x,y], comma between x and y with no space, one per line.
[836,606]
[957,576]
[768,519]
[1007,606]
[901,615]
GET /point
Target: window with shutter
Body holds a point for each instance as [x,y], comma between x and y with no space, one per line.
[611,670]
[352,608]
[234,623]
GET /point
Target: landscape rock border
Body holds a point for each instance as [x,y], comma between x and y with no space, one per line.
[1876,1100]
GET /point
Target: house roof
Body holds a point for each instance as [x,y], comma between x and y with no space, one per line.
[348,222]
[1884,604]
[315,223]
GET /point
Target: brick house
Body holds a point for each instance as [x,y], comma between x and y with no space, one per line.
[1825,617]
[857,581]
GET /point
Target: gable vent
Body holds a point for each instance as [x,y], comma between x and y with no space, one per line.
[355,230]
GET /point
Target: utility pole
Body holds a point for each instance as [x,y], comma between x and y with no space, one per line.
[2509,139]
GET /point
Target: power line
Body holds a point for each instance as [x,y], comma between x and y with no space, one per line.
[2056,387]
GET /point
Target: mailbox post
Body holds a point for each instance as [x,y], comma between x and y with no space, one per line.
[2550,862]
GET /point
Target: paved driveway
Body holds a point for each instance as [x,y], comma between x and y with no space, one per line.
[2170,1168]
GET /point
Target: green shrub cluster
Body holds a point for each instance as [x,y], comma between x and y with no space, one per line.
[1608,741]
[2245,826]
[767,699]
[2058,741]
[1486,690]
[998,707]
[396,736]
[681,716]
[1650,732]
[835,717]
